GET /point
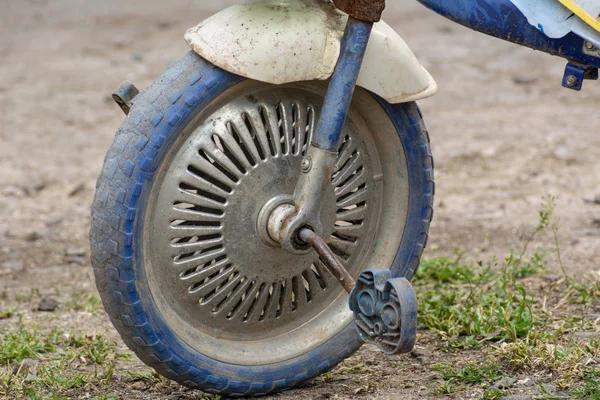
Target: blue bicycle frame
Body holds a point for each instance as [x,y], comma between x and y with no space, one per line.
[502,19]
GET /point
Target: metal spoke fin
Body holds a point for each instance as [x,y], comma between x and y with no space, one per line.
[188,231]
[204,273]
[182,214]
[221,294]
[357,197]
[354,231]
[216,154]
[198,183]
[313,282]
[192,247]
[186,196]
[287,126]
[355,214]
[346,152]
[286,304]
[259,306]
[261,133]
[188,263]
[354,183]
[211,170]
[271,311]
[246,138]
[300,297]
[349,169]
[229,306]
[232,146]
[300,127]
[346,246]
[250,297]
[273,129]
[206,288]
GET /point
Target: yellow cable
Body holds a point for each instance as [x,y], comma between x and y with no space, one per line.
[581,13]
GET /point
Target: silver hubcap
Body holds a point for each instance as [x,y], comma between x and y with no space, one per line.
[212,272]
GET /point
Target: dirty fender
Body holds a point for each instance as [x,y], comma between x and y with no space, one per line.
[283,41]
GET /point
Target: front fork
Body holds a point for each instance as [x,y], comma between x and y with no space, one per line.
[385,308]
[319,163]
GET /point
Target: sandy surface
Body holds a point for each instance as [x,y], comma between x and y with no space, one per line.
[504,134]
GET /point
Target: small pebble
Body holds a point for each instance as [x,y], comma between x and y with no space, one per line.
[552,278]
[565,154]
[80,187]
[524,80]
[593,199]
[47,304]
[548,388]
[75,260]
[139,385]
[137,57]
[505,383]
[24,366]
[586,335]
[14,265]
[75,252]
[33,236]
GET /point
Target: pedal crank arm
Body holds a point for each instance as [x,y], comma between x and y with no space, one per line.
[329,258]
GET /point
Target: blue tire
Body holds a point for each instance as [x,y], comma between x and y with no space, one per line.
[158,117]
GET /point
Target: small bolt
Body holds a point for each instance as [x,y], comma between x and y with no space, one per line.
[571,81]
[589,45]
[306,164]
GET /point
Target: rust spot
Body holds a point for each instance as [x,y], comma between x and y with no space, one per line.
[363,10]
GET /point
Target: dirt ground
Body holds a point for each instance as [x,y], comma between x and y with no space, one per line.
[504,134]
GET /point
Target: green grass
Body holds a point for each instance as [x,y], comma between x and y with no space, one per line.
[146,376]
[458,378]
[26,342]
[471,373]
[84,302]
[66,363]
[590,387]
[471,303]
[494,394]
[7,313]
[489,305]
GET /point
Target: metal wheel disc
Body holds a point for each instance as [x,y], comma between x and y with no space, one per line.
[222,288]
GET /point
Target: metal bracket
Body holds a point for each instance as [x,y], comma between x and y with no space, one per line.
[124,96]
[575,75]
[385,311]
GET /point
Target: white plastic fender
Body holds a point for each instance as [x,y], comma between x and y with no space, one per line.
[283,41]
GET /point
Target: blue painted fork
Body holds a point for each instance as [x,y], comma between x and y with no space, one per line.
[328,135]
